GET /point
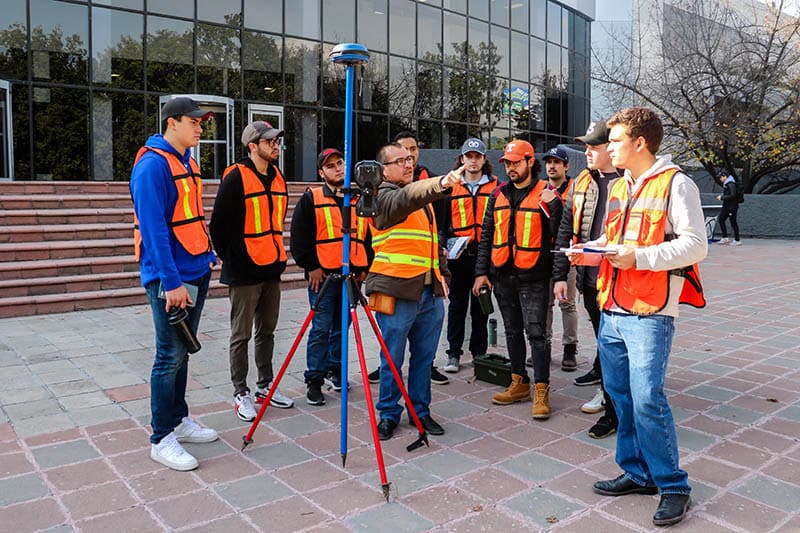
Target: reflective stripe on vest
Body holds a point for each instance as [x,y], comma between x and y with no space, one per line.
[580,187]
[467,211]
[407,249]
[641,221]
[264,216]
[329,236]
[188,223]
[525,251]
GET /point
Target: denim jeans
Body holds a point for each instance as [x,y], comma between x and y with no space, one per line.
[324,346]
[419,323]
[634,351]
[462,272]
[523,305]
[590,304]
[171,364]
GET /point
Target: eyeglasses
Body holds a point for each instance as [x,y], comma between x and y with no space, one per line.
[272,142]
[401,161]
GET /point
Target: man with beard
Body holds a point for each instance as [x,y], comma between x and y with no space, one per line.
[247,231]
[515,257]
[316,244]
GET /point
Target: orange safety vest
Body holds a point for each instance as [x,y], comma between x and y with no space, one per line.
[579,189]
[409,248]
[188,222]
[467,211]
[423,174]
[329,232]
[527,245]
[265,212]
[641,221]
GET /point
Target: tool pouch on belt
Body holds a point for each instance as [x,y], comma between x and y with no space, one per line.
[382,303]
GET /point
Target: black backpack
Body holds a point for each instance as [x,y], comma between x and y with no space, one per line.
[739,193]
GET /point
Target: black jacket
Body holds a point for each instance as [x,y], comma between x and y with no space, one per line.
[227,231]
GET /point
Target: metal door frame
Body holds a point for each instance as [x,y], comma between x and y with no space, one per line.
[253,109]
[204,101]
[9,133]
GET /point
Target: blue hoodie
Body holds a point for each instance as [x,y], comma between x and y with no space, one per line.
[154,197]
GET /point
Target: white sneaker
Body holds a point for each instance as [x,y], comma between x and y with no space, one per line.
[452,365]
[736,243]
[596,404]
[170,453]
[190,431]
[245,408]
[277,400]
[724,240]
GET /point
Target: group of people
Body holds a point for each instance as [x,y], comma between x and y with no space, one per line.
[639,214]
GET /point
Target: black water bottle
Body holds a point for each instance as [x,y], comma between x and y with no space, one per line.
[178,318]
[485,299]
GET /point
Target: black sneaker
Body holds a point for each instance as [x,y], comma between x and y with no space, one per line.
[375,376]
[603,428]
[589,378]
[438,378]
[314,394]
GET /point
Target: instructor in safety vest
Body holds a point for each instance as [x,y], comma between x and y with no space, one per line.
[515,258]
[175,259]
[655,222]
[247,230]
[316,244]
[405,282]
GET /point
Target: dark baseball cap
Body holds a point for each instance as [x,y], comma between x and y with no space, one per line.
[259,130]
[183,105]
[473,145]
[326,154]
[556,153]
[596,133]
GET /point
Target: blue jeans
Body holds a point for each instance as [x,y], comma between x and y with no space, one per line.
[634,351]
[170,367]
[421,324]
[324,346]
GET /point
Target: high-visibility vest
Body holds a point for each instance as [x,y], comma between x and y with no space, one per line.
[467,211]
[188,223]
[641,221]
[409,248]
[526,248]
[423,174]
[329,232]
[265,212]
[579,189]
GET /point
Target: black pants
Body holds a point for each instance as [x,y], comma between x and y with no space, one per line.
[462,271]
[523,305]
[726,213]
[590,304]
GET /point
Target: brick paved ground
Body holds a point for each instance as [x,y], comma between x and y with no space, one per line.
[74,413]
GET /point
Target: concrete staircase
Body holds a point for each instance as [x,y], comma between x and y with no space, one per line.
[66,246]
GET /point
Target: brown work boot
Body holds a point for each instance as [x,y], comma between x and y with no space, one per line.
[541,401]
[568,362]
[516,392]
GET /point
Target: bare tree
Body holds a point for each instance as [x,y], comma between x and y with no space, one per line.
[725,80]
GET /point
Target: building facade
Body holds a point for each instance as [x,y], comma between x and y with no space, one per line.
[82,81]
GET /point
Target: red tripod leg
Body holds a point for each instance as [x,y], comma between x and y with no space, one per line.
[370,406]
[247,439]
[423,435]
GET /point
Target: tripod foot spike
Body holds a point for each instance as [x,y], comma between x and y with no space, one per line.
[385,488]
[246,442]
[344,459]
[423,439]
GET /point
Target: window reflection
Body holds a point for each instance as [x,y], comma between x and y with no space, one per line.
[264,15]
[117,52]
[218,60]
[300,143]
[402,38]
[478,40]
[372,24]
[499,12]
[429,91]
[302,18]
[519,15]
[261,60]
[454,135]
[339,17]
[169,55]
[375,86]
[373,132]
[59,114]
[500,39]
[14,42]
[117,122]
[222,12]
[59,41]
[456,5]
[455,35]
[177,8]
[429,30]
[538,57]
[479,9]
[554,23]
[302,70]
[402,76]
[430,134]
[519,56]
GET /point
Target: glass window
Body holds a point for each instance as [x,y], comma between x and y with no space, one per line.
[567,18]
[402,39]
[169,55]
[261,60]
[300,143]
[456,88]
[519,15]
[538,21]
[454,135]
[177,8]
[333,80]
[59,41]
[553,23]
[429,24]
[500,39]
[302,18]
[402,80]
[429,90]
[117,125]
[264,15]
[479,9]
[581,36]
[218,52]
[129,4]
[375,87]
[456,5]
[372,132]
[455,36]
[552,104]
[538,57]
[339,21]
[302,71]
[117,51]
[536,97]
[565,69]
[430,134]
[553,65]
[499,11]
[60,114]
[520,59]
[14,45]
[478,40]
[333,130]
[222,12]
[372,24]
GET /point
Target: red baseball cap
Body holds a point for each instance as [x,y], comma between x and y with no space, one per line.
[517,150]
[326,154]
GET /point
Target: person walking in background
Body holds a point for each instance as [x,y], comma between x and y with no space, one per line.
[730,208]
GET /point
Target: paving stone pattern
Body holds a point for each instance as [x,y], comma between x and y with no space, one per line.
[74,409]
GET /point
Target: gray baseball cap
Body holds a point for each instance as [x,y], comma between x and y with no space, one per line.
[473,145]
[259,130]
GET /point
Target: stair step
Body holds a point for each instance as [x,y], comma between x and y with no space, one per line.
[65,216]
[30,251]
[67,267]
[64,232]
[69,284]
